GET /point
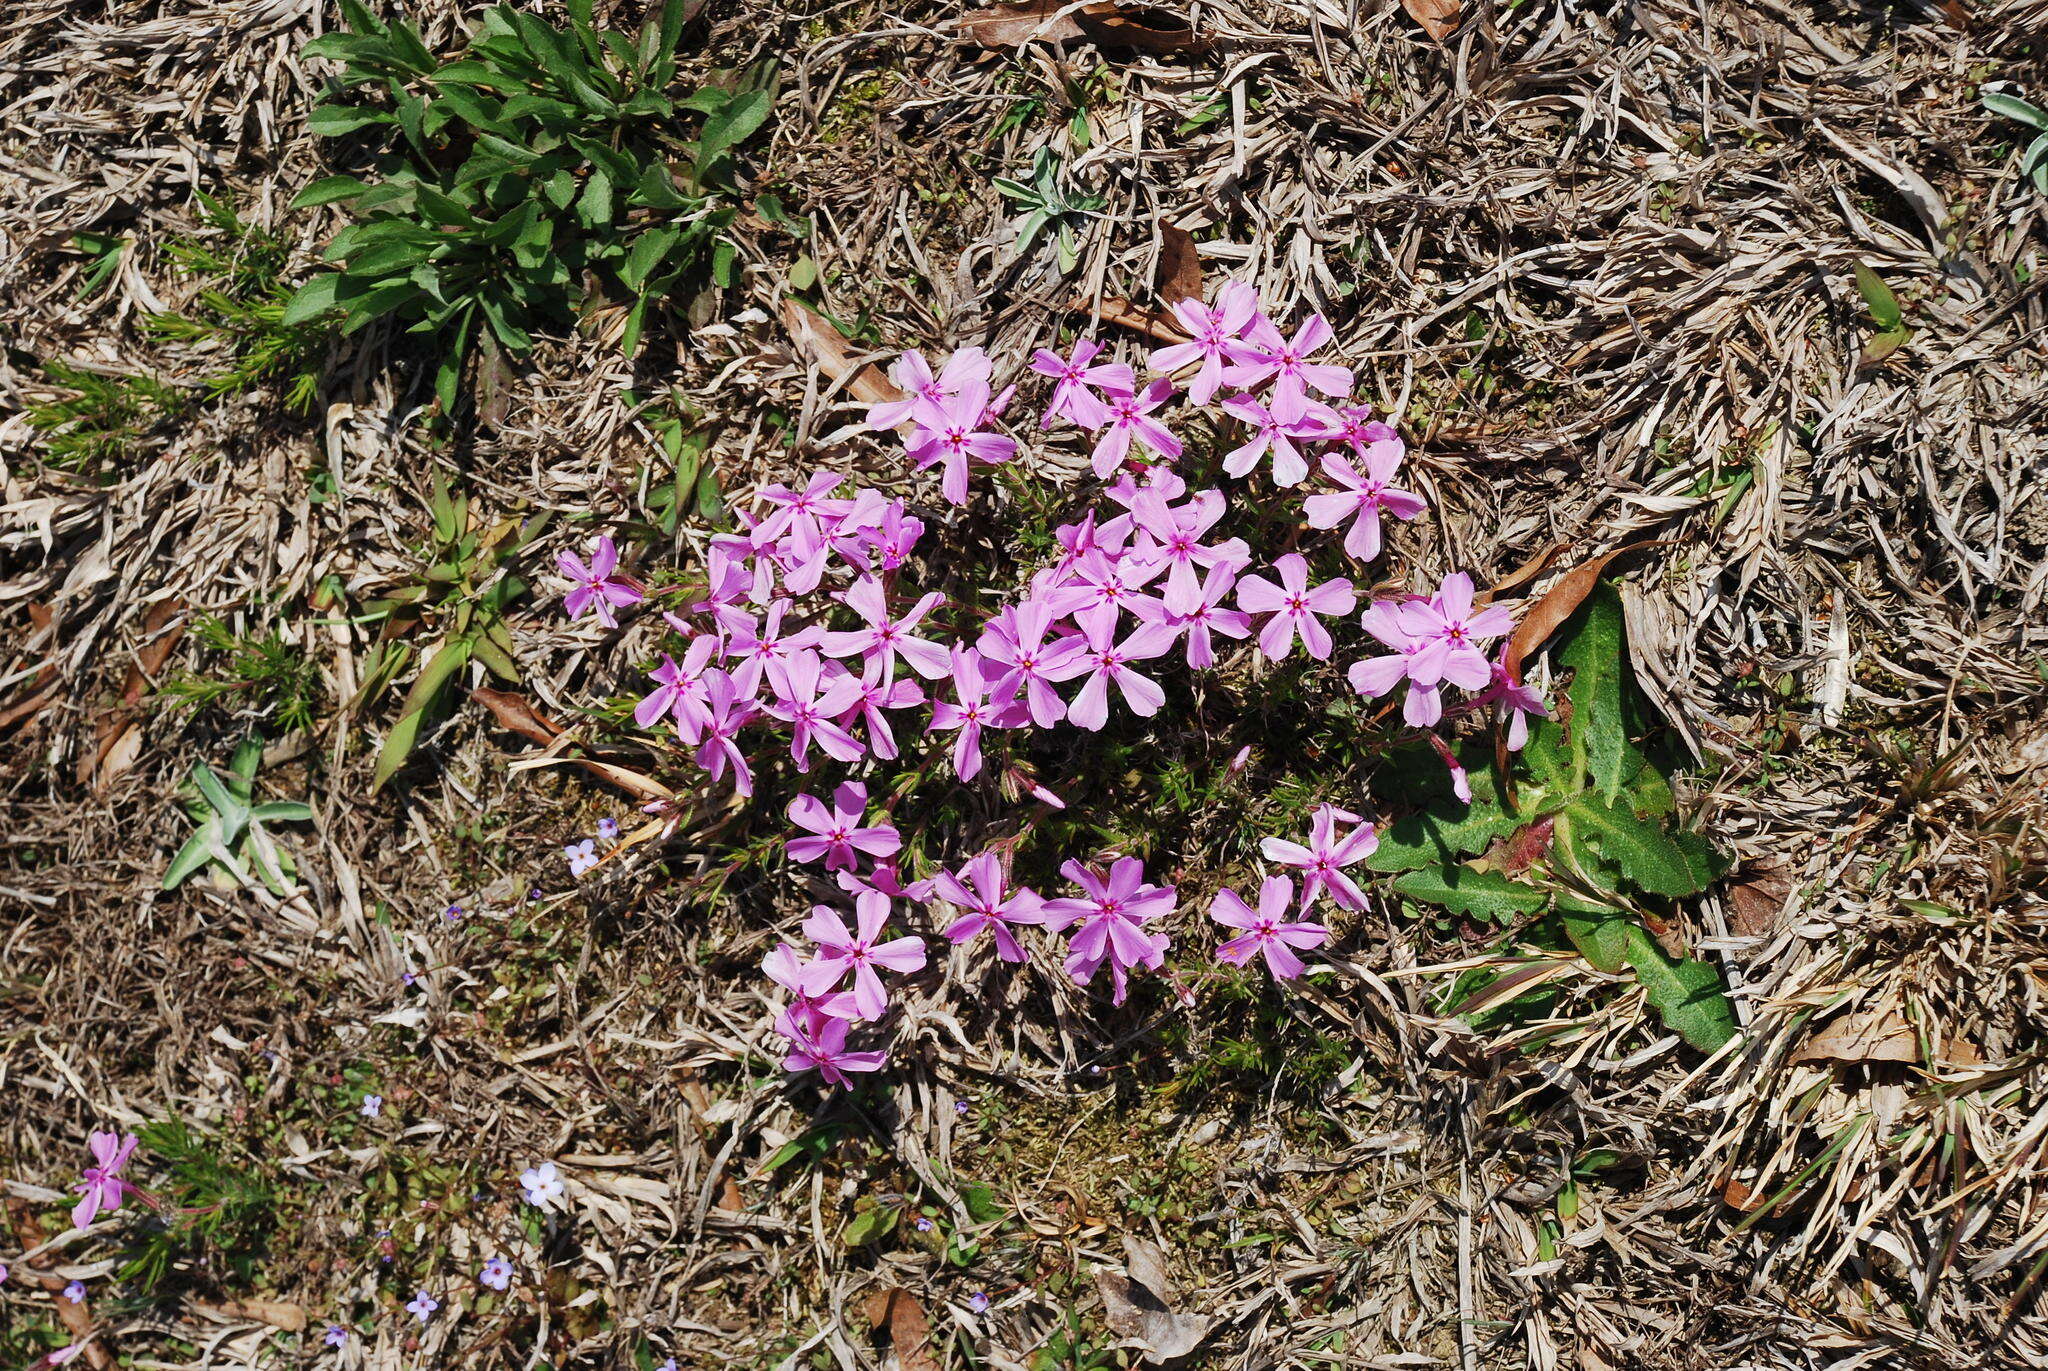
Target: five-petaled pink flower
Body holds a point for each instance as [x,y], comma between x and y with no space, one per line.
[1014,646]
[1079,378]
[914,375]
[1294,606]
[1209,618]
[1267,931]
[1517,700]
[1130,417]
[1271,433]
[951,431]
[1215,337]
[837,833]
[1434,640]
[980,890]
[825,1052]
[726,712]
[786,967]
[1107,662]
[881,640]
[1284,361]
[597,584]
[841,951]
[972,709]
[1363,497]
[102,1188]
[810,702]
[1108,921]
[1323,859]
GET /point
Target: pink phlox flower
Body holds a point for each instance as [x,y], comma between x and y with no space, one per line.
[1267,932]
[1079,378]
[1133,482]
[1517,701]
[1129,419]
[1016,641]
[980,890]
[101,1188]
[1270,433]
[1294,605]
[1451,631]
[881,640]
[803,546]
[1108,921]
[726,711]
[734,573]
[972,709]
[1375,676]
[859,952]
[1284,361]
[837,833]
[810,696]
[786,967]
[914,376]
[1209,617]
[1100,587]
[1363,497]
[893,539]
[678,692]
[1215,337]
[1173,535]
[1106,662]
[1461,784]
[757,646]
[1323,858]
[877,697]
[597,585]
[825,1052]
[952,431]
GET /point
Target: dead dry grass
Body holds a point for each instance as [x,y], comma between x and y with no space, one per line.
[1599,259]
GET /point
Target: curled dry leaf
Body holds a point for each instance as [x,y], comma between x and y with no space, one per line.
[1439,18]
[1558,604]
[1875,1035]
[897,1313]
[1180,266]
[1137,1303]
[1757,898]
[827,348]
[1137,28]
[1157,324]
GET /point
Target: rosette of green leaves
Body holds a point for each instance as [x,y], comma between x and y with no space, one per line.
[1587,842]
[540,160]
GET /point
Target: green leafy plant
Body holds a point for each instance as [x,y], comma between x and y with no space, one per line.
[211,1207]
[1892,329]
[1048,208]
[243,309]
[1582,847]
[96,418]
[540,159]
[265,673]
[2034,161]
[463,596]
[231,837]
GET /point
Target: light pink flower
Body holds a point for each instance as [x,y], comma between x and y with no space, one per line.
[1267,932]
[1015,643]
[726,712]
[869,707]
[1323,859]
[1517,701]
[1108,921]
[980,890]
[810,701]
[1106,662]
[1209,617]
[914,375]
[1173,534]
[102,1188]
[597,585]
[859,952]
[1215,335]
[837,833]
[786,967]
[1450,632]
[1363,497]
[678,693]
[1272,434]
[952,431]
[825,1051]
[1100,586]
[1130,419]
[1079,378]
[1294,606]
[756,648]
[882,640]
[1284,361]
[971,710]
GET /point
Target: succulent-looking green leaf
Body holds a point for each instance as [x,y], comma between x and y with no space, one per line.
[982,1204]
[282,812]
[1884,306]
[196,853]
[2012,107]
[404,735]
[1596,650]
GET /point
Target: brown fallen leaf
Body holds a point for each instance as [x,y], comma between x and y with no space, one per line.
[276,1313]
[1138,1306]
[1875,1035]
[117,738]
[1138,28]
[1558,604]
[820,343]
[512,710]
[1180,266]
[1756,899]
[896,1313]
[1439,18]
[1157,324]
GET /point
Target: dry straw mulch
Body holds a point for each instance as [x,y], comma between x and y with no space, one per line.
[1600,259]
